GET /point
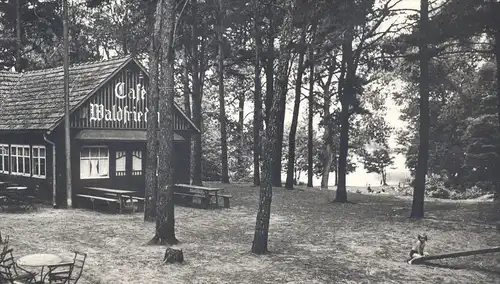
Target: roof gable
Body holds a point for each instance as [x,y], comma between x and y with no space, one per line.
[35,100]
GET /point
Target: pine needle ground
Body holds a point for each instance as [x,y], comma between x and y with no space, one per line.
[311,240]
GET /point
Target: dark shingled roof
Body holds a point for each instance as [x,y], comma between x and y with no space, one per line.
[35,100]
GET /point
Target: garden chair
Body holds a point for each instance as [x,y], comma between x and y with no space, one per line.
[9,270]
[59,274]
[77,269]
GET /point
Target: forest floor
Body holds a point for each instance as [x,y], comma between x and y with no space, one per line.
[311,241]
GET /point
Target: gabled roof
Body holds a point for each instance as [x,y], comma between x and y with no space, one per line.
[34,100]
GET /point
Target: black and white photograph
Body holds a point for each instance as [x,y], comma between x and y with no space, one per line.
[249,141]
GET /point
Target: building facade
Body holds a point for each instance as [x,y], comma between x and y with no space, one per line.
[108,105]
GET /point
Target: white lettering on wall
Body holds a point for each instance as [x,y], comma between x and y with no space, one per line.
[125,114]
[117,113]
[120,90]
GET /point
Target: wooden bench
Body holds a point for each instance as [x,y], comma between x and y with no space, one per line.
[225,197]
[204,200]
[127,198]
[92,198]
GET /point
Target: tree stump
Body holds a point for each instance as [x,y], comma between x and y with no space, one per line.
[173,255]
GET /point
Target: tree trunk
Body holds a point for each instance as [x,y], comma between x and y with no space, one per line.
[241,136]
[257,112]
[187,100]
[259,245]
[18,36]
[67,134]
[222,104]
[327,163]
[417,209]
[269,65]
[152,126]
[327,134]
[295,116]
[345,99]
[276,167]
[341,195]
[197,87]
[310,116]
[496,10]
[165,220]
[125,31]
[278,153]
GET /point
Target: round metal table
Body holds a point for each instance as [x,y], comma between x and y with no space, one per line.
[39,260]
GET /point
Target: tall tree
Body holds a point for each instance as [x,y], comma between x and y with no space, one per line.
[67,142]
[270,55]
[18,36]
[269,59]
[301,49]
[187,92]
[310,108]
[346,101]
[328,122]
[363,24]
[260,240]
[152,126]
[198,74]
[257,110]
[165,220]
[417,209]
[496,10]
[222,104]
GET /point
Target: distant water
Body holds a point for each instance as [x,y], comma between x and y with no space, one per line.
[361,178]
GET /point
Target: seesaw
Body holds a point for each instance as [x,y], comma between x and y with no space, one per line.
[421,260]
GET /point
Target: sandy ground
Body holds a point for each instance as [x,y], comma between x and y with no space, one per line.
[311,240]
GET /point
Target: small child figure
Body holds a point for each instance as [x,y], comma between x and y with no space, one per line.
[418,250]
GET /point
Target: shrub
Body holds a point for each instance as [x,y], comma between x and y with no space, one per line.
[468,193]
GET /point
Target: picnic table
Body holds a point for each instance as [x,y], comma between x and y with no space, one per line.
[120,194]
[16,195]
[206,194]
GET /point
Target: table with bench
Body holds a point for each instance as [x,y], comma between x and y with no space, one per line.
[16,195]
[119,196]
[205,194]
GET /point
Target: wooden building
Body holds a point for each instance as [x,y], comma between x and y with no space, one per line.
[108,104]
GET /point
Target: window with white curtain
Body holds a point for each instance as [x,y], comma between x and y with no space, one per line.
[39,161]
[4,158]
[94,162]
[121,163]
[137,163]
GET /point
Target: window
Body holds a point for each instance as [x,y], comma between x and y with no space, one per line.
[38,161]
[137,163]
[4,158]
[94,162]
[20,157]
[121,163]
